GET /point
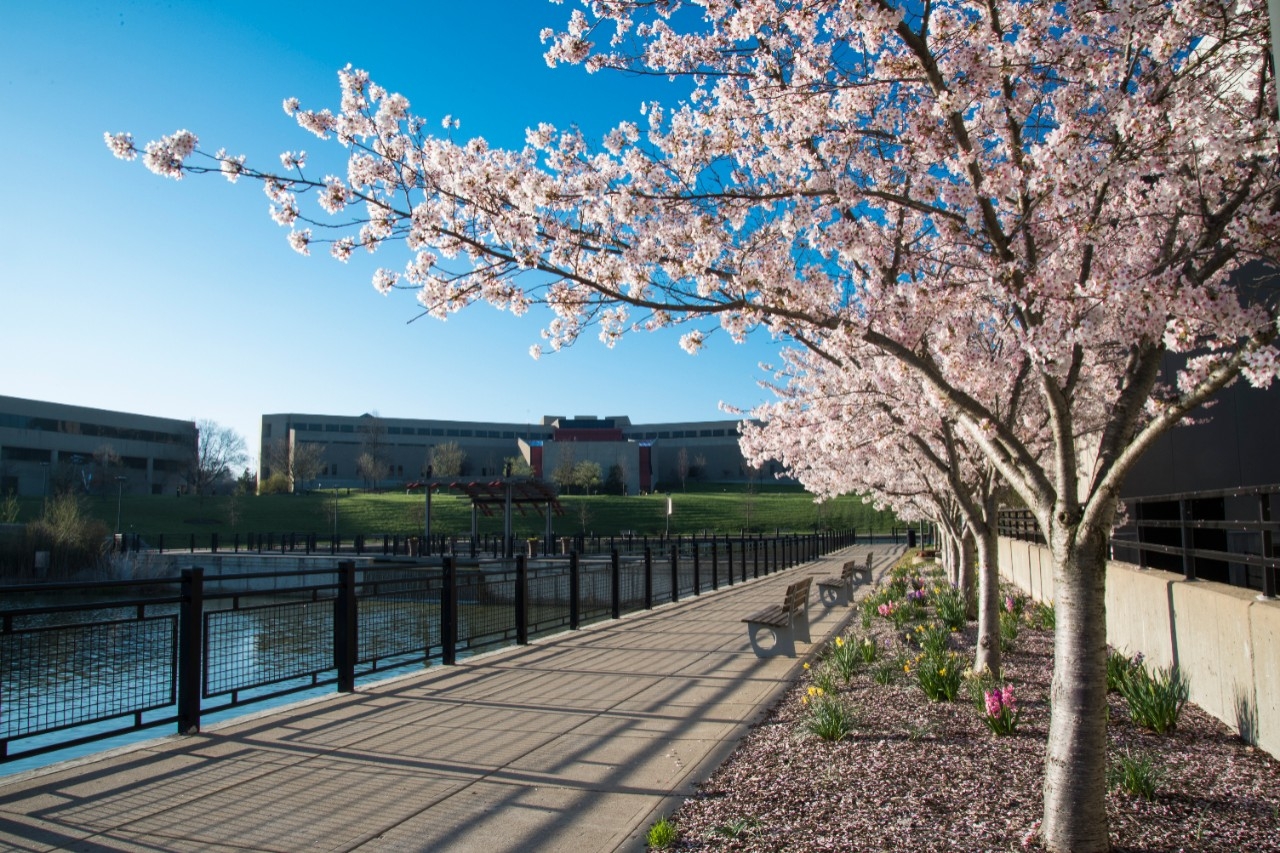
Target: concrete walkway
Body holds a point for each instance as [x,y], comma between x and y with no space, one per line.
[576,742]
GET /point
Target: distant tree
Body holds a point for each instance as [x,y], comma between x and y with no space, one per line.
[519,467]
[247,483]
[616,482]
[563,475]
[219,449]
[446,460]
[682,466]
[104,469]
[699,467]
[369,468]
[374,452]
[587,475]
[298,461]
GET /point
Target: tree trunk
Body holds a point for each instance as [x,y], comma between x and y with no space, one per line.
[988,651]
[1075,815]
[968,579]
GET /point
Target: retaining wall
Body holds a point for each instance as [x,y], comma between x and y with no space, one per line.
[1224,638]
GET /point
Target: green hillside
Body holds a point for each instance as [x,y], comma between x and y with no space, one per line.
[708,509]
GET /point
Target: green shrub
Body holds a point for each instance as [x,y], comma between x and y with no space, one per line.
[1009,622]
[828,716]
[938,674]
[662,834]
[888,671]
[1155,699]
[949,605]
[1043,616]
[276,484]
[843,657]
[1119,668]
[931,637]
[1139,776]
[75,541]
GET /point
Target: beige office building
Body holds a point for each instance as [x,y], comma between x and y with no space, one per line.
[649,456]
[47,447]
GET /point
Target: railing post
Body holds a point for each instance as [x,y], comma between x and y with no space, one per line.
[1268,547]
[575,581]
[648,577]
[345,629]
[697,571]
[728,558]
[1188,558]
[675,573]
[615,583]
[190,635]
[448,612]
[715,564]
[522,599]
[213,542]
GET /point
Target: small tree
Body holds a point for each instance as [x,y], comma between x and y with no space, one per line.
[563,475]
[517,466]
[369,469]
[682,466]
[298,461]
[447,460]
[586,475]
[372,462]
[616,482]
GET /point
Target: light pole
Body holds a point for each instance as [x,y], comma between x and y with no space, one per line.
[119,500]
[426,516]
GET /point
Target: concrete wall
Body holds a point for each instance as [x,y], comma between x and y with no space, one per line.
[1224,638]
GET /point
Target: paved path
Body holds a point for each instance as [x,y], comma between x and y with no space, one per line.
[576,742]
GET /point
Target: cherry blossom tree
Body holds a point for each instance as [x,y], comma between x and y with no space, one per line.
[1083,178]
[855,420]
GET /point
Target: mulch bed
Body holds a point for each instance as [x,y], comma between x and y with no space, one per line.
[917,775]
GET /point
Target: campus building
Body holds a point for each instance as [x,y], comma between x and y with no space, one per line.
[47,447]
[646,456]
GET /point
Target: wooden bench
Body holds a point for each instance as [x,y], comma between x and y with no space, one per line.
[785,622]
[838,592]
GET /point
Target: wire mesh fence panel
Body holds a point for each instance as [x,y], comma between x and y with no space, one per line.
[661,580]
[396,627]
[595,591]
[486,610]
[631,584]
[548,600]
[269,644]
[58,677]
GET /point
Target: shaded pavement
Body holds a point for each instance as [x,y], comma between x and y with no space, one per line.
[575,742]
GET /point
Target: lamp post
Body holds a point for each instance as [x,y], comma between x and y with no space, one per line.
[119,500]
[426,517]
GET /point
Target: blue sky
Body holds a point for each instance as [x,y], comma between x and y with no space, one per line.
[122,290]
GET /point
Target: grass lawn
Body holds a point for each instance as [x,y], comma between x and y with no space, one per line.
[718,509]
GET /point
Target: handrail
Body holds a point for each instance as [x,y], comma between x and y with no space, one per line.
[218,642]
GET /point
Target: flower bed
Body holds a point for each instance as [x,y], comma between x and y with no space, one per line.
[922,775]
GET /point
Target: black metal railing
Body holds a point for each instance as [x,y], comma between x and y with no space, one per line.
[1223,535]
[80,663]
[492,545]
